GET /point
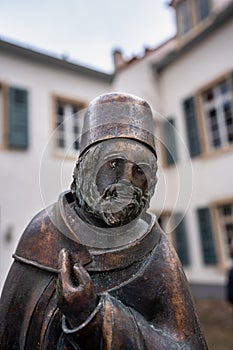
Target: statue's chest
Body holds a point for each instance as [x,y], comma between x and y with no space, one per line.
[132,285]
[110,280]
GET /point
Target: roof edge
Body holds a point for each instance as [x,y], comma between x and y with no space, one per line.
[46,58]
[221,18]
[141,56]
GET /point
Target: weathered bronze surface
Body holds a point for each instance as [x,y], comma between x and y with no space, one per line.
[101,277]
[117,115]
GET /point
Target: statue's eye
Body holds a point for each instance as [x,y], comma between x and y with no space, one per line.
[113,163]
[139,170]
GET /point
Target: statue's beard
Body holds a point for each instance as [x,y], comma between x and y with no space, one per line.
[119,204]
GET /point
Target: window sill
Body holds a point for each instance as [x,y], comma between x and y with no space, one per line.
[216,153]
[60,155]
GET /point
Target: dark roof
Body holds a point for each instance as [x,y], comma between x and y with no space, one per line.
[47,58]
[220,19]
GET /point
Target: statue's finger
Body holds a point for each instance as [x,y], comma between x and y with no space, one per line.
[65,269]
[81,275]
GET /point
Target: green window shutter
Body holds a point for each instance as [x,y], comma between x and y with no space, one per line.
[181,241]
[191,127]
[18,118]
[169,137]
[206,234]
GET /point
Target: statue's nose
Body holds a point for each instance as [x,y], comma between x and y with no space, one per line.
[127,172]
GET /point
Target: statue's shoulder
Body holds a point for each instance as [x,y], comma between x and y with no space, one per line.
[42,241]
[39,226]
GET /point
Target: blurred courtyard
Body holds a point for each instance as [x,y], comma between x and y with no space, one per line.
[216,318]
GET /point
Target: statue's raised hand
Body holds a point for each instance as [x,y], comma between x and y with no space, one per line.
[76,297]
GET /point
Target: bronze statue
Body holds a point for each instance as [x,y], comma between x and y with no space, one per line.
[95,270]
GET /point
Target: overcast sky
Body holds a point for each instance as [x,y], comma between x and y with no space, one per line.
[86,30]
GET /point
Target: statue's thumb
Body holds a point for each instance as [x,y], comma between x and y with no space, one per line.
[81,275]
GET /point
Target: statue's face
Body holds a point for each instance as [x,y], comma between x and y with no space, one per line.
[118,180]
[120,170]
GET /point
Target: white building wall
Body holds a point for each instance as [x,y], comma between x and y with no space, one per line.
[218,5]
[137,79]
[20,187]
[212,176]
[190,184]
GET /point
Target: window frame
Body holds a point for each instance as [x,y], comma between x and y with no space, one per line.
[66,100]
[206,151]
[195,23]
[224,261]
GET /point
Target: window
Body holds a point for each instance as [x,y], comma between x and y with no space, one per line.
[184,19]
[218,118]
[13,117]
[216,233]
[202,9]
[68,124]
[225,222]
[208,117]
[189,13]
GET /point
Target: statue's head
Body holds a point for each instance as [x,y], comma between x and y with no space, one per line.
[115,175]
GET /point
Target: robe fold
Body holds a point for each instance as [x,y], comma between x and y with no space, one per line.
[144,298]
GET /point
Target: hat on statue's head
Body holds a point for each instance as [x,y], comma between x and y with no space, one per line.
[117,115]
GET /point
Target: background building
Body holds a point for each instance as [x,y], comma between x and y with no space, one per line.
[36,92]
[189,83]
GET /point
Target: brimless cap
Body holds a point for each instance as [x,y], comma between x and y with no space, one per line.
[117,115]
